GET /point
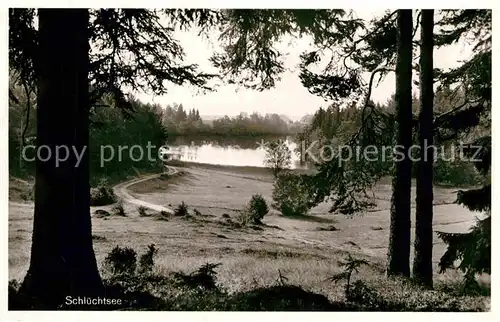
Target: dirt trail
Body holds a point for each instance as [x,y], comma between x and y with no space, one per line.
[122,192]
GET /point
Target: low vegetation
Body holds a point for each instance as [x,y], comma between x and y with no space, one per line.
[181,210]
[118,209]
[142,211]
[350,265]
[254,211]
[290,196]
[145,287]
[121,261]
[146,261]
[102,194]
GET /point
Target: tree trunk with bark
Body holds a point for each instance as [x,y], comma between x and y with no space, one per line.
[62,260]
[422,262]
[399,239]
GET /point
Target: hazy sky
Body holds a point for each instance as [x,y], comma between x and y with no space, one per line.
[289,97]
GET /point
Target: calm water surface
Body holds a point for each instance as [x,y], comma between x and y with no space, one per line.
[233,152]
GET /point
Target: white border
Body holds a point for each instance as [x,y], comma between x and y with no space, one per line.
[215,316]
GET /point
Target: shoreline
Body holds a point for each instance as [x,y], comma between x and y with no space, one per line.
[225,167]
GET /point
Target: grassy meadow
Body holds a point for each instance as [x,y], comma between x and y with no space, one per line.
[306,250]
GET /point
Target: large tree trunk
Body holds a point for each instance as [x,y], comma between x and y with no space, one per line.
[422,263]
[62,257]
[399,240]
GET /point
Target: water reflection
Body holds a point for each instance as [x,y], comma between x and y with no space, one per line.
[234,152]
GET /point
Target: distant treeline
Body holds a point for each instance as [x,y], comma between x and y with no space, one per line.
[181,122]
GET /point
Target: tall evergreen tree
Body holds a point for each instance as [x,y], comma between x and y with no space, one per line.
[472,249]
[62,260]
[422,263]
[57,57]
[399,238]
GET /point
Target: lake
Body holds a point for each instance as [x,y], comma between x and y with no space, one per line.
[228,151]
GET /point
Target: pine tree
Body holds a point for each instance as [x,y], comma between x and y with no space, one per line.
[399,238]
[422,263]
[473,248]
[70,80]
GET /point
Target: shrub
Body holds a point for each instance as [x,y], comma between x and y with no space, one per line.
[181,210]
[328,228]
[146,261]
[203,278]
[101,213]
[102,194]
[162,215]
[121,260]
[463,287]
[97,237]
[456,173]
[350,266]
[290,195]
[243,218]
[257,208]
[361,293]
[118,209]
[142,211]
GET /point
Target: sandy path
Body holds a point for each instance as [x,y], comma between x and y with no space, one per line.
[122,192]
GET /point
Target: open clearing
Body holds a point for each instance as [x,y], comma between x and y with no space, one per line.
[305,250]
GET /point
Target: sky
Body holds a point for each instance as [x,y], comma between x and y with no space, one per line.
[289,97]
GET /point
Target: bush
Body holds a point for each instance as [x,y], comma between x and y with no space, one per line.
[162,215]
[118,209]
[146,261]
[463,287]
[181,210]
[121,260]
[204,278]
[456,173]
[361,293]
[102,194]
[101,213]
[290,195]
[97,237]
[243,218]
[142,211]
[256,209]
